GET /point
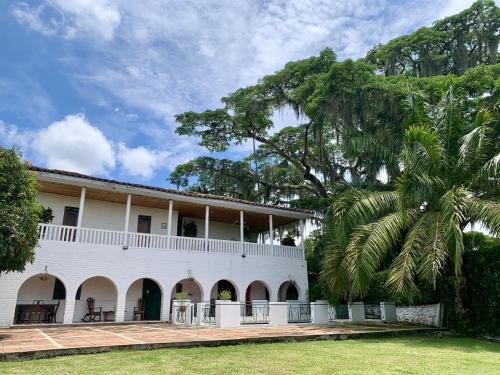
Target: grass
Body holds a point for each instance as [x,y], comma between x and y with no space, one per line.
[402,355]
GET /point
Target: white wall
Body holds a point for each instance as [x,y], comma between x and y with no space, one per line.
[73,263]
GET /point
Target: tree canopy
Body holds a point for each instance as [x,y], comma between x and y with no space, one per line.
[19,212]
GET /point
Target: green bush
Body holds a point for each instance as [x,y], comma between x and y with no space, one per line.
[481,271]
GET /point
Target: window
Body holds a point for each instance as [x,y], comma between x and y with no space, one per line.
[70,216]
[59,290]
[178,288]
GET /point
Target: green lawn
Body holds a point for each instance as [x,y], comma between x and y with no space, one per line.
[410,355]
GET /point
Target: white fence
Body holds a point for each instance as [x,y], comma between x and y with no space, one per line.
[61,233]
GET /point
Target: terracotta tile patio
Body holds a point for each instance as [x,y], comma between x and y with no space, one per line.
[42,341]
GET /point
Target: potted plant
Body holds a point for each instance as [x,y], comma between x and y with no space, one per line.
[182,296]
[225,295]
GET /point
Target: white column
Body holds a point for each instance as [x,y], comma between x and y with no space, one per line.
[170,212]
[242,231]
[169,222]
[301,230]
[120,306]
[80,212]
[80,209]
[127,213]
[271,237]
[69,308]
[207,218]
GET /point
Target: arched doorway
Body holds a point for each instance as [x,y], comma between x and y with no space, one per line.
[150,293]
[190,287]
[288,291]
[256,291]
[48,293]
[221,285]
[103,290]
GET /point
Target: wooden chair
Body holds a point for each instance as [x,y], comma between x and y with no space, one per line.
[51,316]
[139,310]
[93,311]
[37,311]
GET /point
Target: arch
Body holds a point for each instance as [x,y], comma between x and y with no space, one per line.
[151,293]
[257,290]
[102,288]
[224,284]
[288,291]
[191,287]
[46,288]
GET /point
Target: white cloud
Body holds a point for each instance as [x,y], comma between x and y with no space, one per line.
[70,18]
[74,144]
[10,135]
[141,161]
[166,56]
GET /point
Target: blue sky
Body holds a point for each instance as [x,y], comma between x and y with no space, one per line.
[93,85]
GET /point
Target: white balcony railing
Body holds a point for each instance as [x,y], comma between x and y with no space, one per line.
[62,233]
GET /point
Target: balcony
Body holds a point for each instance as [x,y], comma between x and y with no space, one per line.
[91,236]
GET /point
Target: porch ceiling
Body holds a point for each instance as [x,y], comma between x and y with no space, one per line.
[257,222]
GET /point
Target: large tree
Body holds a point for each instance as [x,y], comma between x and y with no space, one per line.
[450,177]
[19,212]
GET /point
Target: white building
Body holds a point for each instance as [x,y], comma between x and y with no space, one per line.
[117,242]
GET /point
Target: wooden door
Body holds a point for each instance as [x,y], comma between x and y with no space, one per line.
[70,219]
[143,226]
[151,295]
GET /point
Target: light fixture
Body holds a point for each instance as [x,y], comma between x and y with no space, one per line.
[125,247]
[44,276]
[190,274]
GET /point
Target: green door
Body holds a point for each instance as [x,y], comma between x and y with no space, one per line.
[151,295]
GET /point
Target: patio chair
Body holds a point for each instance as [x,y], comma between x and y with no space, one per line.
[51,316]
[139,310]
[93,313]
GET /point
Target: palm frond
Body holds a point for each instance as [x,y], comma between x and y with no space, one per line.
[334,273]
[403,269]
[434,252]
[454,212]
[491,169]
[356,208]
[486,212]
[422,150]
[414,188]
[370,244]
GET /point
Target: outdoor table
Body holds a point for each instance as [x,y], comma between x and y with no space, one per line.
[28,310]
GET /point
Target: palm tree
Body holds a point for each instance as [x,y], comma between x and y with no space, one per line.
[449,179]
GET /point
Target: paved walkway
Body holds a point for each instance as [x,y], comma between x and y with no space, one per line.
[37,342]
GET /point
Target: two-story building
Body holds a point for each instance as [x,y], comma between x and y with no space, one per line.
[118,242]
